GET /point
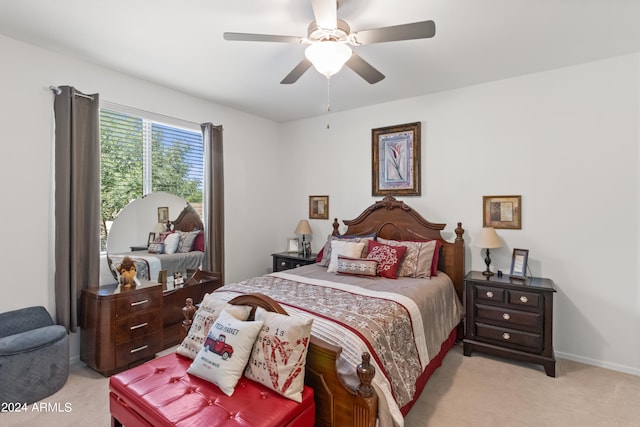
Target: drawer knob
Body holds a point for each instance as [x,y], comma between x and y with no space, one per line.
[506,316]
[297,265]
[524,299]
[506,336]
[282,264]
[489,294]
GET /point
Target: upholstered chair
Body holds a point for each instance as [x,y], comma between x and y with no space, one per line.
[34,355]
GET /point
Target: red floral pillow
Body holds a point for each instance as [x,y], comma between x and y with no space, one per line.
[388,257]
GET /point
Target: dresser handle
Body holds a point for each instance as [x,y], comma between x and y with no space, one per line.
[141,325]
[506,336]
[524,299]
[506,316]
[144,301]
[489,294]
[282,264]
[297,265]
[135,350]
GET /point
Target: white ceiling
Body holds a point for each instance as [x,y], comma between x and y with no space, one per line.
[179,44]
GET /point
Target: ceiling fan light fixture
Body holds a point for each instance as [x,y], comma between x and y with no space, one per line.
[328,56]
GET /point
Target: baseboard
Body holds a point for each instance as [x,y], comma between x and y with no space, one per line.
[598,363]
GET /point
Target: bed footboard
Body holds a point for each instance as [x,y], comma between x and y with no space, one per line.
[336,405]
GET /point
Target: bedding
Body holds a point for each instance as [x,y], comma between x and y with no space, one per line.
[401,322]
[149,264]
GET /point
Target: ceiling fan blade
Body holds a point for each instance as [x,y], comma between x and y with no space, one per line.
[416,30]
[364,69]
[297,72]
[246,37]
[326,13]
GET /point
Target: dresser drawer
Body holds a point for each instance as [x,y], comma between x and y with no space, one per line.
[510,337]
[138,348]
[487,293]
[138,301]
[530,320]
[525,299]
[137,325]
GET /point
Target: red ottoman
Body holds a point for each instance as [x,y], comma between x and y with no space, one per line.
[161,393]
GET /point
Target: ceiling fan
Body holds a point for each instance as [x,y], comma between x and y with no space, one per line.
[329,38]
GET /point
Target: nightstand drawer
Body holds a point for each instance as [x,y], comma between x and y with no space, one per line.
[529,320]
[487,293]
[525,299]
[510,337]
[138,349]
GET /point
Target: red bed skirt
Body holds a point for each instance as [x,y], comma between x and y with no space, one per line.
[435,363]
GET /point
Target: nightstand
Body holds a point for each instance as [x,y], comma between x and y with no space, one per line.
[287,260]
[510,318]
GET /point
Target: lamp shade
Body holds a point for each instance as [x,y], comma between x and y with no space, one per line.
[328,56]
[303,227]
[159,228]
[488,239]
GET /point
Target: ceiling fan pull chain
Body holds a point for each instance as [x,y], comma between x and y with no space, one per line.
[328,99]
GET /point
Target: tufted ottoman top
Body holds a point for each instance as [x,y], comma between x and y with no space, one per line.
[163,394]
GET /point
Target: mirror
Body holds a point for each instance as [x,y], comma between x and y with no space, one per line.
[130,230]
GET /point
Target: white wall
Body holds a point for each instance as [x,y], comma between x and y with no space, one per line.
[26,148]
[566,140]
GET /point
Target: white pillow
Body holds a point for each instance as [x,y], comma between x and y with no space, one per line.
[344,248]
[225,351]
[171,243]
[207,313]
[280,352]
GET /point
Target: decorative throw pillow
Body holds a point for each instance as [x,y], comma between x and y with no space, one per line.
[186,241]
[279,353]
[357,266]
[417,260]
[205,316]
[156,248]
[388,257]
[198,243]
[171,243]
[225,351]
[326,250]
[344,248]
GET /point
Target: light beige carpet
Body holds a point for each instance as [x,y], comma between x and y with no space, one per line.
[466,391]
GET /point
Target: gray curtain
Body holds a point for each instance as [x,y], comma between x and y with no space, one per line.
[213,199]
[77,201]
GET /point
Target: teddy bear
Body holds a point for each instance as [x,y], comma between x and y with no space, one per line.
[127,270]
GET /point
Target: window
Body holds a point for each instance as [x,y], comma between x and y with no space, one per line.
[140,154]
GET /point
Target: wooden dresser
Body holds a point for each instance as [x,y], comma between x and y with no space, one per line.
[121,328]
[510,318]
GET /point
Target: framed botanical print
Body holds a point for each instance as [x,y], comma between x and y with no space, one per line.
[395,154]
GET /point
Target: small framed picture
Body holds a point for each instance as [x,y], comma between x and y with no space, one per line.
[502,212]
[318,207]
[163,214]
[519,263]
[293,245]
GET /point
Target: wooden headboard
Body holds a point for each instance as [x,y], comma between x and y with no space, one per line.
[188,220]
[393,219]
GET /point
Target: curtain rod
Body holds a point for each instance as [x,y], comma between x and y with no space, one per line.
[58,91]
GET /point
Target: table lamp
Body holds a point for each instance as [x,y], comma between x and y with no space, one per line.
[488,239]
[304,228]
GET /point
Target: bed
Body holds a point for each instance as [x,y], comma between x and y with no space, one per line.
[149,262]
[406,324]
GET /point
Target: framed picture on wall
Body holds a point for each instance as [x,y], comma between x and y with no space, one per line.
[318,207]
[163,214]
[395,154]
[502,212]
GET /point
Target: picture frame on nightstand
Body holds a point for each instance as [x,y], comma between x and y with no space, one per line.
[293,245]
[519,262]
